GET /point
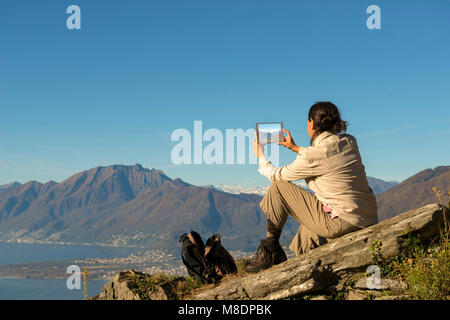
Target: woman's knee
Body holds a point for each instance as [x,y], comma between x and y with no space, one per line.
[277,183]
[272,194]
[276,187]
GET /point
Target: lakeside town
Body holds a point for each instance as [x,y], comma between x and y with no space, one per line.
[148,261]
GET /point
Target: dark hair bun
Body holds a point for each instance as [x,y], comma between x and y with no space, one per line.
[326,117]
[327,122]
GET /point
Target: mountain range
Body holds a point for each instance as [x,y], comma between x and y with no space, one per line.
[6,186]
[132,205]
[259,190]
[414,192]
[128,205]
[378,186]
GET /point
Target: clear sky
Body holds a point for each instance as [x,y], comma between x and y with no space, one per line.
[114,91]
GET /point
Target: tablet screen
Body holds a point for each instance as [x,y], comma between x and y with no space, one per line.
[269,132]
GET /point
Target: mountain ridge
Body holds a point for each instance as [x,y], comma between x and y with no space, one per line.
[398,198]
[125,205]
[378,185]
[132,205]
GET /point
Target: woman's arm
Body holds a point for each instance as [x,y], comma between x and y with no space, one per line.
[297,170]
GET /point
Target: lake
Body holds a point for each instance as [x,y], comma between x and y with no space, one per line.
[18,289]
[29,289]
[13,253]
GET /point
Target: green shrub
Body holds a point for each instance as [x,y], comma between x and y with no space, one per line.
[424,267]
[427,272]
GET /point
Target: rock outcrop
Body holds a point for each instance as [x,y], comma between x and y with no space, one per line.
[133,285]
[335,266]
[119,288]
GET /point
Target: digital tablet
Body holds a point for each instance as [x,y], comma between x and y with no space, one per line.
[269,132]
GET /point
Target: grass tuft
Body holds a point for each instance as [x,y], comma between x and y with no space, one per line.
[424,267]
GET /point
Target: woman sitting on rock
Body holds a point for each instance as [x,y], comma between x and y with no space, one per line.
[332,168]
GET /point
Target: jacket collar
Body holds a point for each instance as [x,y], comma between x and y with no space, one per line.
[322,136]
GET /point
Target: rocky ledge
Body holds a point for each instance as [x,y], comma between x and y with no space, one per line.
[342,266]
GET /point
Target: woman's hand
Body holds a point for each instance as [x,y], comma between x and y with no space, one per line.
[289,142]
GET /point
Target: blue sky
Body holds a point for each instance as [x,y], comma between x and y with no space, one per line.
[114,91]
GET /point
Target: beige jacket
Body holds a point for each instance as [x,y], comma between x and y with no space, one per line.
[333,170]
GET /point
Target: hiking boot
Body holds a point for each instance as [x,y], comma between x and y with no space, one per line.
[269,253]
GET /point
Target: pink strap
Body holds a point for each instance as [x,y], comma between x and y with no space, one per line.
[328,210]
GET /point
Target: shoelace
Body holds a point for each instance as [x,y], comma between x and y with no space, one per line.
[264,252]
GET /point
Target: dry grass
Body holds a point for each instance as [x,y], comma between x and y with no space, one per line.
[425,267]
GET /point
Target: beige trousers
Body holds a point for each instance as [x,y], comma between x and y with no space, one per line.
[285,199]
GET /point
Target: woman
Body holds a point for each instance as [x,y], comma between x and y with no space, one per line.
[332,168]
